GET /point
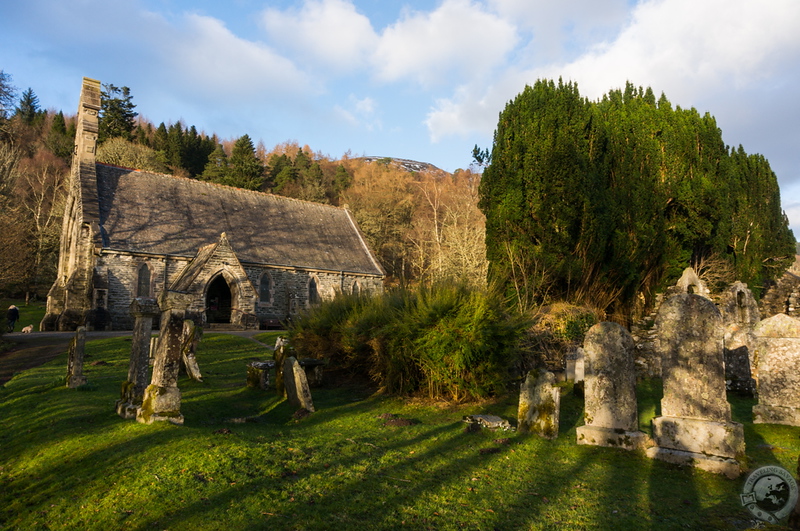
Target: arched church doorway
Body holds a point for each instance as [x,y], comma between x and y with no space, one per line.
[218,301]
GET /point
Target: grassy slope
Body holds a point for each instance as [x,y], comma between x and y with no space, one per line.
[68,461]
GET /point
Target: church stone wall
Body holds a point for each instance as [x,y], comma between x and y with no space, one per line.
[116,281]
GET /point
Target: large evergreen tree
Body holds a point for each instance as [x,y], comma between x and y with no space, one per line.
[601,202]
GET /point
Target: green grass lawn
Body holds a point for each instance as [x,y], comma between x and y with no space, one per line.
[67,461]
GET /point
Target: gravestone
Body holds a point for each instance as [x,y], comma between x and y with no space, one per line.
[281,346]
[191,338]
[162,398]
[574,369]
[740,314]
[153,349]
[690,283]
[695,426]
[143,310]
[258,374]
[777,355]
[610,412]
[75,377]
[280,342]
[539,404]
[298,392]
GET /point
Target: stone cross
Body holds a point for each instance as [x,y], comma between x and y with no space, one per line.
[75,377]
[778,371]
[539,404]
[162,398]
[695,426]
[297,391]
[144,310]
[610,412]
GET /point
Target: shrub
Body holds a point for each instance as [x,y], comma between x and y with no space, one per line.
[443,341]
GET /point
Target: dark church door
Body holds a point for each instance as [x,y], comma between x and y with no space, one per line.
[218,301]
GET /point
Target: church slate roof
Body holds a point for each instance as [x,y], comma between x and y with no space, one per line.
[162,214]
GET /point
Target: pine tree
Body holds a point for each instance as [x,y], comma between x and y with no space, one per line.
[117,117]
[58,139]
[28,109]
[216,169]
[246,169]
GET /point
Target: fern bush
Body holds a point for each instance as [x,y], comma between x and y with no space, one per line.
[442,341]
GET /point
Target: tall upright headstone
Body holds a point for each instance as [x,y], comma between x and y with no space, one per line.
[740,314]
[75,377]
[610,412]
[695,426]
[162,398]
[297,391]
[777,355]
[144,310]
[539,405]
[280,357]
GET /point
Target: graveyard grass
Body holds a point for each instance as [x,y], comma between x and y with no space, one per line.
[67,461]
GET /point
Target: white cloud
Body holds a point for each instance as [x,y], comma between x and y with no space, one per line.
[360,112]
[561,29]
[328,33]
[458,38]
[684,48]
[209,59]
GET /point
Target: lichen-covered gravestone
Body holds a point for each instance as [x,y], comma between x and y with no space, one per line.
[258,374]
[777,355]
[281,346]
[739,315]
[610,411]
[539,405]
[298,392]
[695,426]
[132,393]
[162,398]
[75,377]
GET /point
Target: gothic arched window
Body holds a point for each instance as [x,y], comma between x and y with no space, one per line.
[313,291]
[143,286]
[265,288]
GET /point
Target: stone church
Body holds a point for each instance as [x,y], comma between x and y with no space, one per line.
[245,258]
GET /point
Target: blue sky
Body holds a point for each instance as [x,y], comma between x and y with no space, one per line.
[416,79]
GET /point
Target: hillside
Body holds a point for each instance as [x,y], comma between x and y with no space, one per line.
[405,164]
